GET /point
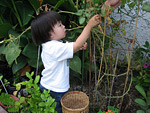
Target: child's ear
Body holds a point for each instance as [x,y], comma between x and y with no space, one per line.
[50,35]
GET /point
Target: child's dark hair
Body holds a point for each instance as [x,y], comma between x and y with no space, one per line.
[42,25]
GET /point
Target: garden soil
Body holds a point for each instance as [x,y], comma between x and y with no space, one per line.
[101,102]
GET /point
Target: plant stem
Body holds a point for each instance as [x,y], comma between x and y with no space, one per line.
[90,64]
[102,48]
[83,55]
[113,77]
[67,12]
[1,21]
[17,15]
[10,39]
[128,68]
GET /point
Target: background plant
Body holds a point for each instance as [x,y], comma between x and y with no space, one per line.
[34,100]
[144,101]
[111,109]
[142,63]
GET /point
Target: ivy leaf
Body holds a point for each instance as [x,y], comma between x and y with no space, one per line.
[75,64]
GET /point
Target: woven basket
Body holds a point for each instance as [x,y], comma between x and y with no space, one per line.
[75,102]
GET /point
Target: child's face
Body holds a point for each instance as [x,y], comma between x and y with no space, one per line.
[58,32]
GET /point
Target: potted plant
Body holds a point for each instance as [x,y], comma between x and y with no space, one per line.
[6,99]
[34,100]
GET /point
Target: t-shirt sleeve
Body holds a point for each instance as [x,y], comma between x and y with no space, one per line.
[64,51]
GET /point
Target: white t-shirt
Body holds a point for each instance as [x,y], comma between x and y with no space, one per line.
[55,57]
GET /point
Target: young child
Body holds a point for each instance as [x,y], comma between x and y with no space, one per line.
[48,30]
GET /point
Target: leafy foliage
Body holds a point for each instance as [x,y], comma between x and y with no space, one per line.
[143,102]
[34,101]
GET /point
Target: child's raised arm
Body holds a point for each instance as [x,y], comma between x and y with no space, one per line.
[95,20]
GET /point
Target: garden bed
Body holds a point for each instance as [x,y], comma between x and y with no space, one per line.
[128,106]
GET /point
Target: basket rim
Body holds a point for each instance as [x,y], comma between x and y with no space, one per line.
[71,92]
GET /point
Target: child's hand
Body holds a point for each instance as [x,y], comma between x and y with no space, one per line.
[113,3]
[95,20]
[84,46]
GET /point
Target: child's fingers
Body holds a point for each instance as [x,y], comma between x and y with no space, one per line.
[97,18]
[84,46]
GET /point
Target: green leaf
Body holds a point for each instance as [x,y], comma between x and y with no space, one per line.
[59,3]
[30,51]
[5,3]
[2,47]
[5,28]
[35,4]
[80,12]
[146,7]
[131,5]
[6,99]
[13,109]
[25,12]
[75,64]
[54,105]
[141,90]
[28,75]
[1,77]
[50,101]
[123,2]
[148,101]
[140,101]
[146,44]
[21,99]
[37,78]
[103,12]
[43,96]
[12,51]
[81,20]
[140,111]
[33,62]
[147,80]
[42,104]
[148,111]
[18,86]
[52,109]
[19,64]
